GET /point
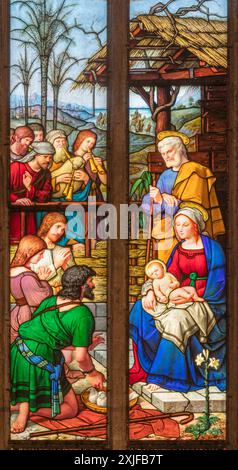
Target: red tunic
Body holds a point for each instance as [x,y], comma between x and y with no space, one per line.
[40,191]
[187,261]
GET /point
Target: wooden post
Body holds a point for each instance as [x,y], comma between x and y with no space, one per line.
[87,241]
[94,99]
[118,253]
[164,118]
[132,279]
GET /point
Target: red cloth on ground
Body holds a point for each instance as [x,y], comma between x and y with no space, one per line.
[167,427]
[136,373]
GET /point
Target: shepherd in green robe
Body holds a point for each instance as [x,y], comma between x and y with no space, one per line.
[38,382]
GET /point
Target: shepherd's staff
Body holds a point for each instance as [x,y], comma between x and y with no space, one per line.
[188,416]
[148,245]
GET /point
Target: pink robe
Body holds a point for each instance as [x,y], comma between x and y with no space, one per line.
[27,287]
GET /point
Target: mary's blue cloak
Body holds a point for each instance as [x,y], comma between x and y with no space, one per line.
[164,363]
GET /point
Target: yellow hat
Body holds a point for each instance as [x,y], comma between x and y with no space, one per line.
[162,135]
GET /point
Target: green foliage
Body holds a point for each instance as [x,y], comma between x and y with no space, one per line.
[213,420]
[142,184]
[203,425]
[193,429]
[215,431]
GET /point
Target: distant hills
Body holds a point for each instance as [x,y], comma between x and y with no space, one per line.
[64,116]
[82,112]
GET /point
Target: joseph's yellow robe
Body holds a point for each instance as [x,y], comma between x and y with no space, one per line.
[194,184]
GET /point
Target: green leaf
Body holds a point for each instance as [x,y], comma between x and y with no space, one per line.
[193,429]
[214,431]
[141,189]
[147,186]
[214,419]
[146,177]
[135,186]
[190,428]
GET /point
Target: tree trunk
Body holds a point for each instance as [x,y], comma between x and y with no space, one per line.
[55,107]
[164,117]
[94,96]
[26,90]
[44,77]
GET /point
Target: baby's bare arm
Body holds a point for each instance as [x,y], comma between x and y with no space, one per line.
[157,286]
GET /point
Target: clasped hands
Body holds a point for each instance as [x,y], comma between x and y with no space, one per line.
[159,197]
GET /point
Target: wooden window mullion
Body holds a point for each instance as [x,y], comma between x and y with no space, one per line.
[118,249]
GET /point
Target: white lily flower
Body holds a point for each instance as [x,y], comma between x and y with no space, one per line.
[199,360]
[205,353]
[214,363]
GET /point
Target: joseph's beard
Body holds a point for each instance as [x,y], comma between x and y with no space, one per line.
[60,155]
[170,163]
[88,292]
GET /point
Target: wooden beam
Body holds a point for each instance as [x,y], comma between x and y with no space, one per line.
[164,117]
[152,59]
[137,59]
[192,73]
[150,75]
[158,48]
[177,54]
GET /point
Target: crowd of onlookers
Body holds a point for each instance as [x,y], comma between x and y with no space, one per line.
[43,169]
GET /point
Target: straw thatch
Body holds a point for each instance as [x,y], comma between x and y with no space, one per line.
[206,41]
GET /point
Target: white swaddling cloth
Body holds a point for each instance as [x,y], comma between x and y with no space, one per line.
[178,322]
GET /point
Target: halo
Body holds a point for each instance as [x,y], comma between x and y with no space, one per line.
[162,135]
[194,205]
[154,261]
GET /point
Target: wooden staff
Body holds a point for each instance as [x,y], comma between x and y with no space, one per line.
[91,427]
[148,245]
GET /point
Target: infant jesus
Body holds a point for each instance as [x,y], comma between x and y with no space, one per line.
[166,288]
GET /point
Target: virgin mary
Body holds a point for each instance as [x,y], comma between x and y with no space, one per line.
[197,261]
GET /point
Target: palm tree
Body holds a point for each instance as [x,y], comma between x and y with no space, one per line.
[24,72]
[43,28]
[59,67]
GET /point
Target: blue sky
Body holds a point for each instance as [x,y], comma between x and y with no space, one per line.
[138,7]
[88,12]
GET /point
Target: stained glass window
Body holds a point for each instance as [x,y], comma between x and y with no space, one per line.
[178,178]
[109,109]
[58,179]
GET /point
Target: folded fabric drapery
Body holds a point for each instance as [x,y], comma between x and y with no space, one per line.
[165,427]
[54,370]
[178,323]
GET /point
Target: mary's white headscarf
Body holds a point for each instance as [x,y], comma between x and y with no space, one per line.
[194,214]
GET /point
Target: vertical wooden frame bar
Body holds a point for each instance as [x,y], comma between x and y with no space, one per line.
[4,225]
[118,249]
[232,268]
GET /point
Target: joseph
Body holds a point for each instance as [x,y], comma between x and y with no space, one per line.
[183,181]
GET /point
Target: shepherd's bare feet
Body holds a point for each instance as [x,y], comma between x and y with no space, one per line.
[152,387]
[19,425]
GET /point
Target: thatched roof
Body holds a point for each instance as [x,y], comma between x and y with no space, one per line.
[205,41]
